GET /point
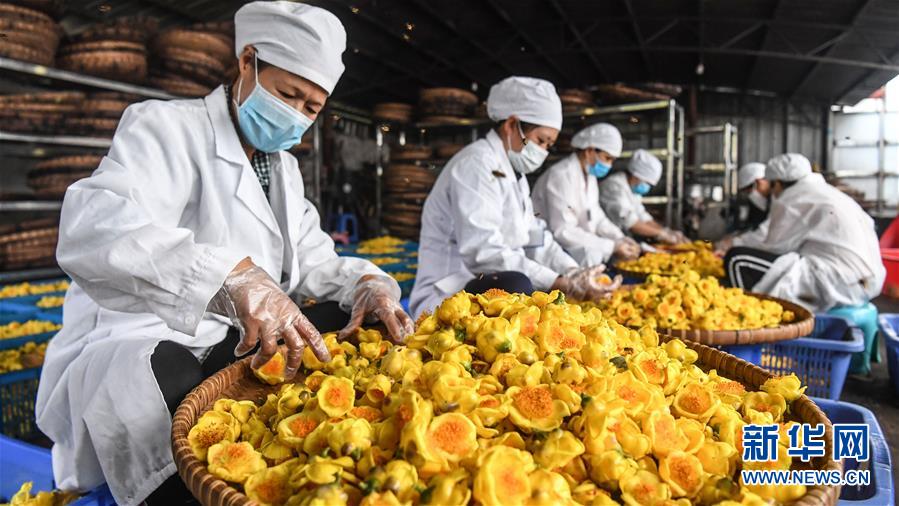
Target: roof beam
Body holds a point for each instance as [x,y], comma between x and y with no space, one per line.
[862,79]
[742,35]
[853,20]
[639,35]
[580,39]
[528,40]
[750,76]
[661,31]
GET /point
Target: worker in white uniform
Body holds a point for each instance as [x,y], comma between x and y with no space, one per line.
[820,250]
[567,197]
[620,196]
[189,245]
[478,225]
[754,192]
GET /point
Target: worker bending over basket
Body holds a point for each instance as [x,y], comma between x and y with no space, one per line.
[820,249]
[478,225]
[567,197]
[620,195]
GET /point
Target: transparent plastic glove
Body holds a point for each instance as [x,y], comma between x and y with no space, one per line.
[373,301]
[669,236]
[586,284]
[626,249]
[264,314]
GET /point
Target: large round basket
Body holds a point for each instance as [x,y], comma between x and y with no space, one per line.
[801,326]
[237,382]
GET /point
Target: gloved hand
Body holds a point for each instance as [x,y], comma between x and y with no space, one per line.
[584,284]
[264,314]
[669,236]
[722,246]
[626,249]
[374,300]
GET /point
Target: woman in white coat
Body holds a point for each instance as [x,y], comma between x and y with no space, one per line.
[820,250]
[567,197]
[478,225]
[194,223]
[620,195]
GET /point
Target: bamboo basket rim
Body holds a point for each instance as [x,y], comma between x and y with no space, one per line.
[230,381]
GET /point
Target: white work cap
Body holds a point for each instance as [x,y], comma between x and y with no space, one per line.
[787,167]
[645,166]
[599,136]
[299,38]
[749,174]
[533,100]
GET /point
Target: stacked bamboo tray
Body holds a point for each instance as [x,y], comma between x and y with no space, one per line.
[29,34]
[407,181]
[28,244]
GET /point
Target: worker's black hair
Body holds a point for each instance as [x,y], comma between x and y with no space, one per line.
[787,184]
[525,126]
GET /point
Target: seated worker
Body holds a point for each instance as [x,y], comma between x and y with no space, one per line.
[754,193]
[567,197]
[820,249]
[619,195]
[478,225]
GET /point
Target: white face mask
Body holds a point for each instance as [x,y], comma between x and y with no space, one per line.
[758,200]
[530,158]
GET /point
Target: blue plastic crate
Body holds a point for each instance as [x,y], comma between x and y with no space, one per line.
[751,353]
[7,318]
[28,304]
[880,491]
[888,325]
[21,462]
[18,391]
[821,360]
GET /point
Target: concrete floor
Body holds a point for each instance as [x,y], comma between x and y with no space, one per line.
[876,393]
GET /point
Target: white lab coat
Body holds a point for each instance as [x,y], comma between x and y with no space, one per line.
[621,204]
[568,199]
[830,253]
[478,219]
[148,240]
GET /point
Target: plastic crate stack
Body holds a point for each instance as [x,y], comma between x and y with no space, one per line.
[30,315]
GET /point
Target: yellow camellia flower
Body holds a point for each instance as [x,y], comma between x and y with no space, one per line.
[663,433]
[272,372]
[496,335]
[502,477]
[275,452]
[609,467]
[549,489]
[234,462]
[336,396]
[694,431]
[382,499]
[695,401]
[763,402]
[683,473]
[789,387]
[558,449]
[643,488]
[451,437]
[555,336]
[350,436]
[718,458]
[212,427]
[454,308]
[534,408]
[451,489]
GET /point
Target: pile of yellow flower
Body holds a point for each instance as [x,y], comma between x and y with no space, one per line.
[385,260]
[26,356]
[50,301]
[23,289]
[31,327]
[384,245]
[402,276]
[690,301]
[498,399]
[55,498]
[697,256]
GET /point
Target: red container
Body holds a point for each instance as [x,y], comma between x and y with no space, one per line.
[891,262]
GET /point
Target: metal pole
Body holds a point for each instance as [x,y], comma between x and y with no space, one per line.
[881,154]
[379,171]
[669,166]
[680,167]
[317,162]
[727,170]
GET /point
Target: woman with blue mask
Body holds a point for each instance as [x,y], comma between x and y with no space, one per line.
[567,197]
[621,197]
[478,228]
[188,247]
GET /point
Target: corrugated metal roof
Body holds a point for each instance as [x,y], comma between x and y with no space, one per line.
[835,51]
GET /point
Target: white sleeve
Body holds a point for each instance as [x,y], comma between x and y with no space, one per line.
[754,238]
[477,206]
[323,274]
[787,228]
[563,220]
[550,253]
[618,205]
[119,234]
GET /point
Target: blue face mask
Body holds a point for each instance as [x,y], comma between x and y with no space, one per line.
[599,169]
[641,188]
[267,123]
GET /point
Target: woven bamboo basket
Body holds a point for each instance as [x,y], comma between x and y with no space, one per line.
[28,15]
[405,232]
[181,86]
[125,64]
[619,93]
[25,53]
[575,97]
[104,127]
[447,151]
[52,8]
[193,65]
[447,102]
[237,382]
[39,37]
[55,97]
[195,40]
[392,111]
[68,163]
[411,152]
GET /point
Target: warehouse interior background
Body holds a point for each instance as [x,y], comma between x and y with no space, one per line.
[707,85]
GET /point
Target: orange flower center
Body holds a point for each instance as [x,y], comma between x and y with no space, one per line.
[272,492]
[489,402]
[534,402]
[511,481]
[274,366]
[337,396]
[234,452]
[366,413]
[301,427]
[494,293]
[682,473]
[449,436]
